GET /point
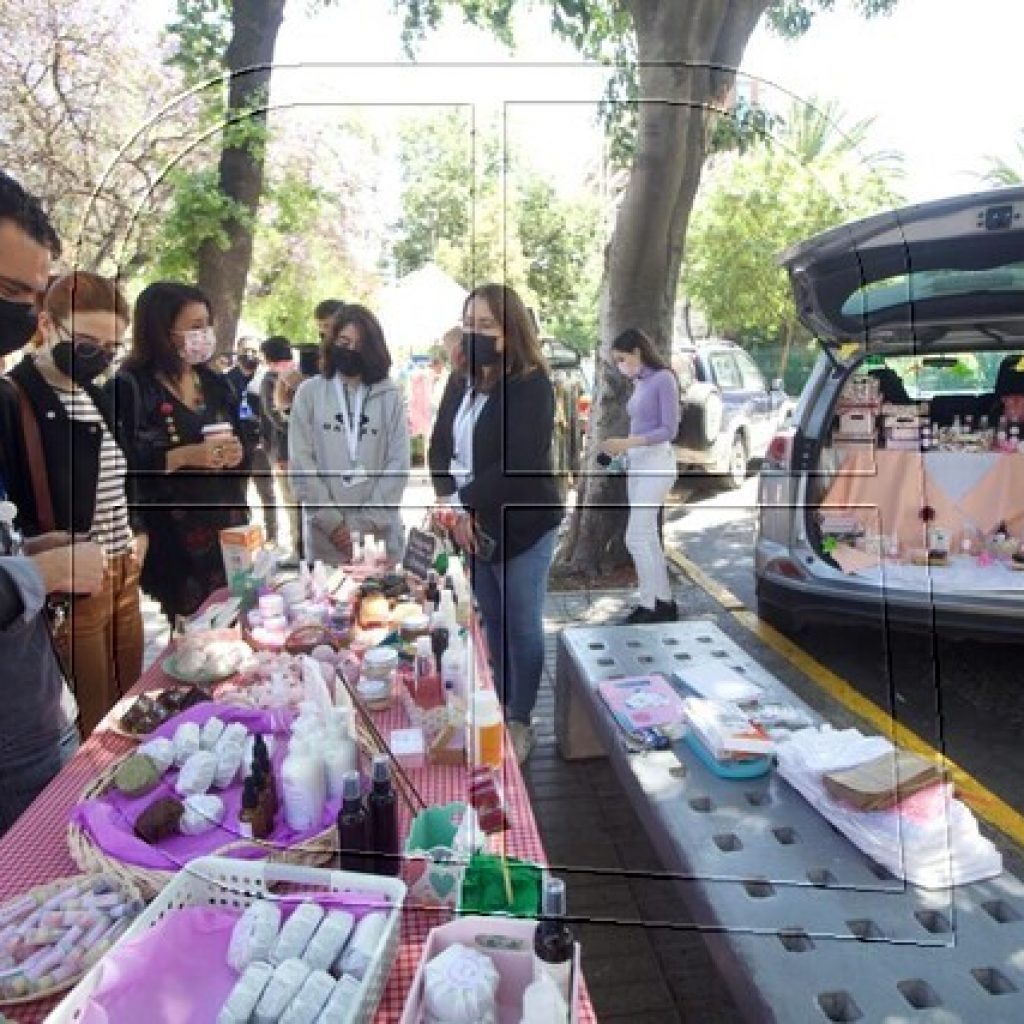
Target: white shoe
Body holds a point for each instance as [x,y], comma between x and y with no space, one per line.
[522,740]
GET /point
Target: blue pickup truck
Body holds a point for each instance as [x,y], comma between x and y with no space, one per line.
[729,412]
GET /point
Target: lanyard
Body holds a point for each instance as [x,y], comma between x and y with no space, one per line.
[465,422]
[351,425]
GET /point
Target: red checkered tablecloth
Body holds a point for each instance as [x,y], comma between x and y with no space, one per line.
[35,850]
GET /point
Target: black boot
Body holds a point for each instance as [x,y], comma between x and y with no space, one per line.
[665,611]
[639,615]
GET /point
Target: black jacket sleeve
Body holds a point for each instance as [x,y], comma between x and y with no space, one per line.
[527,423]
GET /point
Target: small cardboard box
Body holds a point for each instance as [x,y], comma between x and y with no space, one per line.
[857,423]
[431,868]
[239,546]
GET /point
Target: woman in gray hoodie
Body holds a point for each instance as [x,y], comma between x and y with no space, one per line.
[348,442]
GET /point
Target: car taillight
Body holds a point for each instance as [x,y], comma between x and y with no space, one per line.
[786,567]
[780,452]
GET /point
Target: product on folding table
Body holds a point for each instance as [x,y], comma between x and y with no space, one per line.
[220,888]
[508,944]
[883,781]
[147,838]
[52,934]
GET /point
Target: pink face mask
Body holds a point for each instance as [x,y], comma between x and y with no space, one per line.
[199,345]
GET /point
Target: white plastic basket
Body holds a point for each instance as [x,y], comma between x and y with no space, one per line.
[221,882]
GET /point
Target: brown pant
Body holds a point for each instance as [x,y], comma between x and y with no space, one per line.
[105,642]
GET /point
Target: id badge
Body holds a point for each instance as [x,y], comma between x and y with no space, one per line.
[357,476]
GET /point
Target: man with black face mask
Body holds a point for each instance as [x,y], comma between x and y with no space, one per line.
[38,733]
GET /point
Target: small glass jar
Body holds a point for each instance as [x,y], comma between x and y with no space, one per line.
[379,663]
[376,684]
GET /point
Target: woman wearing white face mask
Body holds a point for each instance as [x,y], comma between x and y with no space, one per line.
[189,485]
[653,425]
[66,472]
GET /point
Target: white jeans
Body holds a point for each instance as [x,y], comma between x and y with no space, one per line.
[652,472]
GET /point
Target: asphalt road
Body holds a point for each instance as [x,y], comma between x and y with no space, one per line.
[964,698]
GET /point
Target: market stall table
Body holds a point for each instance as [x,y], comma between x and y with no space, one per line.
[786,902]
[35,850]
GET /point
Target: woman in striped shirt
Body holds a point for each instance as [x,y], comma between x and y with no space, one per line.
[81,488]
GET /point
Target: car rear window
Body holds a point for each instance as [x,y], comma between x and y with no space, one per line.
[931,284]
[725,370]
[953,373]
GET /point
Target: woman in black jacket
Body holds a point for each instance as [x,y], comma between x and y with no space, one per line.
[78,482]
[188,486]
[490,459]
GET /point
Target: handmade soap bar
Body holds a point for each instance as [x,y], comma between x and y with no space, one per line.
[137,775]
[460,985]
[159,820]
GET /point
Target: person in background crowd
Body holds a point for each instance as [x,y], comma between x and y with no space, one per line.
[274,411]
[490,461]
[324,313]
[245,367]
[309,361]
[653,424]
[38,730]
[348,442]
[241,378]
[70,476]
[189,486]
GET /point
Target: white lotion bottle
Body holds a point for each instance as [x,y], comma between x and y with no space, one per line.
[302,783]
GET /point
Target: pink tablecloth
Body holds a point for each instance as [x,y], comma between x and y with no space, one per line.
[887,491]
[35,850]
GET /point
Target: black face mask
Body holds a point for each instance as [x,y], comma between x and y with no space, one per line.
[349,362]
[479,350]
[83,363]
[17,325]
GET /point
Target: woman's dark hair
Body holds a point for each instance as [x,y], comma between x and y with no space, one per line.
[635,340]
[276,349]
[309,360]
[327,308]
[522,346]
[156,309]
[376,357]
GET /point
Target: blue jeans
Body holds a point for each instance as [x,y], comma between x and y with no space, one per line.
[511,599]
[22,781]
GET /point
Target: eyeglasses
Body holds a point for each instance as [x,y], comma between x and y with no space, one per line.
[87,345]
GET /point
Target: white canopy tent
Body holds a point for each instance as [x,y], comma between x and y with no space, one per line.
[417,310]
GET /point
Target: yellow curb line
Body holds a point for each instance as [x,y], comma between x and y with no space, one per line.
[980,799]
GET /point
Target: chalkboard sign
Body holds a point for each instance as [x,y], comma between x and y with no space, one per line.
[419,553]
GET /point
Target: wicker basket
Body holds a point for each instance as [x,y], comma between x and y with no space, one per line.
[212,881]
[313,852]
[42,893]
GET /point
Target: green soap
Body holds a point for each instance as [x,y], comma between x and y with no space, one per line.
[137,776]
[483,890]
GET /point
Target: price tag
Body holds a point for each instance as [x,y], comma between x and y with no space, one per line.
[419,553]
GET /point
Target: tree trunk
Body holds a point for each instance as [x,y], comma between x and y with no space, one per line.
[688,53]
[223,272]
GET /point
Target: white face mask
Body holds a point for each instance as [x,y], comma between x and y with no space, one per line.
[199,345]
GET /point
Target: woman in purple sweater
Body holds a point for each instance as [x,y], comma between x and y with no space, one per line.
[653,425]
